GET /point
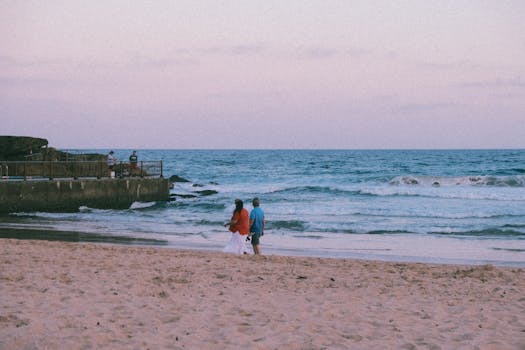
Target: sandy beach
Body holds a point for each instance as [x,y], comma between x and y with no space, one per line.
[60,295]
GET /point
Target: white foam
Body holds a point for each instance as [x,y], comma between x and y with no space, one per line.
[141,205]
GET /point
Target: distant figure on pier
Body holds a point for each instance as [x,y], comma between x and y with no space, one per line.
[133,159]
[111,164]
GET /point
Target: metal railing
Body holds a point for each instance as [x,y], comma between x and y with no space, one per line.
[29,170]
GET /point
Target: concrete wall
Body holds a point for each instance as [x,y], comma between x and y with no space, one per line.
[69,195]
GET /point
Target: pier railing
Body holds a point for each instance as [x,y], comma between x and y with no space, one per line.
[34,170]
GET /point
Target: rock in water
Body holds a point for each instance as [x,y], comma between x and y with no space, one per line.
[176,178]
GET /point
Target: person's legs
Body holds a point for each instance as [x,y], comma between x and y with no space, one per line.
[255,244]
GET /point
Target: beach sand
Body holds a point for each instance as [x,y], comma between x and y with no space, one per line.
[61,295]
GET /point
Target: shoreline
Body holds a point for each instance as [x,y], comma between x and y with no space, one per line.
[85,295]
[363,248]
[74,236]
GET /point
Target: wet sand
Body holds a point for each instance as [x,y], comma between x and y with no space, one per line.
[67,295]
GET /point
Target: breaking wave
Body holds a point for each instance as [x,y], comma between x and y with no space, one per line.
[438,181]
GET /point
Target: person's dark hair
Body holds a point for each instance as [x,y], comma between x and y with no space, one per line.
[255,202]
[238,205]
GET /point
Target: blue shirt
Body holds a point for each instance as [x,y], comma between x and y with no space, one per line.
[257,215]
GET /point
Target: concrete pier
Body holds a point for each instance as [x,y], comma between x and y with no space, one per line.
[69,194]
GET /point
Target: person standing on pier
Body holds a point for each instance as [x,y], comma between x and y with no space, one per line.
[111,164]
[133,159]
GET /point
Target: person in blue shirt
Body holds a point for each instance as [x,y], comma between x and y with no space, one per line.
[257,223]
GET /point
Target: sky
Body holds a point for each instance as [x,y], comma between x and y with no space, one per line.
[214,74]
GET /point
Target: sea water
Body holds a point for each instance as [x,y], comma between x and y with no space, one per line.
[444,206]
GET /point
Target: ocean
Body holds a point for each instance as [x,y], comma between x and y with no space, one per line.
[437,206]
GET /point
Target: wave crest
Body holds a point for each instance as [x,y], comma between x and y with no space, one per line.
[437,181]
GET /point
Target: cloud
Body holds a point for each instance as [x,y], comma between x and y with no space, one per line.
[193,56]
[11,62]
[184,56]
[517,82]
[445,66]
[321,52]
[6,60]
[41,64]
[356,52]
[177,57]
[161,62]
[18,81]
[234,50]
[420,108]
[317,53]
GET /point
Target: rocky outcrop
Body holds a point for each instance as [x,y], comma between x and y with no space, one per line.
[207,192]
[194,194]
[177,178]
[19,147]
[16,148]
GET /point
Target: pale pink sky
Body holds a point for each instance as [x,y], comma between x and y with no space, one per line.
[264,74]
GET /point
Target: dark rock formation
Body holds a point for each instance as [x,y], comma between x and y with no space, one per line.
[176,178]
[174,195]
[206,192]
[19,147]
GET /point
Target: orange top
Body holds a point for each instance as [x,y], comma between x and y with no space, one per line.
[242,220]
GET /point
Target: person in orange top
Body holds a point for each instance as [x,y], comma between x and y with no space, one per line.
[239,226]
